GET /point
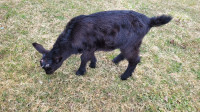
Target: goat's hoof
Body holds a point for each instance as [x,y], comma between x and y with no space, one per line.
[115,61]
[80,72]
[92,65]
[124,77]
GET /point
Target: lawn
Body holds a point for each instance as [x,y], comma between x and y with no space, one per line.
[167,79]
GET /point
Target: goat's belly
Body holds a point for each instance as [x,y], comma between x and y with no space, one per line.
[106,48]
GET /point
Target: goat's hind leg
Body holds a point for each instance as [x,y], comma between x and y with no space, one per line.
[131,67]
[93,62]
[132,55]
[118,58]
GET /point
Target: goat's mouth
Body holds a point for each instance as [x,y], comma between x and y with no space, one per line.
[49,71]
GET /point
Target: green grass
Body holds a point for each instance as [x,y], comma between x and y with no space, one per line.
[167,79]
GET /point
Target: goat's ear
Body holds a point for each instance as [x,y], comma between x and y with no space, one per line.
[40,48]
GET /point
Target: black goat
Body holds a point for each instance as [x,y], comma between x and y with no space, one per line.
[105,31]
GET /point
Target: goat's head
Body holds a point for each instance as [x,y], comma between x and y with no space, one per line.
[49,62]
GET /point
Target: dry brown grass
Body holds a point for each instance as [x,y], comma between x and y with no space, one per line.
[167,79]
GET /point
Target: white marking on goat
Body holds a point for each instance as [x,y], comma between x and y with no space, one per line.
[47,65]
[42,60]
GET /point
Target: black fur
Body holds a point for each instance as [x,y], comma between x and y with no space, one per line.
[105,31]
[160,20]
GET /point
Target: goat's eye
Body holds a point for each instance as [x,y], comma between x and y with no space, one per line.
[58,59]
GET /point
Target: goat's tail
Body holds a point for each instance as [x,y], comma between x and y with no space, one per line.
[159,20]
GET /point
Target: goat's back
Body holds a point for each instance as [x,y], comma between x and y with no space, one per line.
[107,30]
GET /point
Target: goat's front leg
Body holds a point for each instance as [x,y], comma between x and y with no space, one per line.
[85,57]
[93,62]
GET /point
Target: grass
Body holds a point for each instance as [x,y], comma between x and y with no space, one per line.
[167,79]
